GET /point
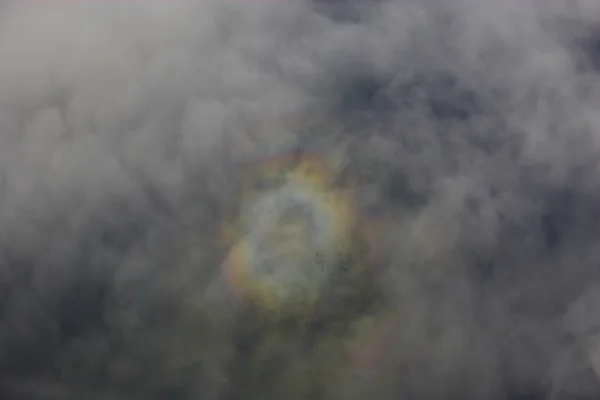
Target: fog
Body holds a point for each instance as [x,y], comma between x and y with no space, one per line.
[471,129]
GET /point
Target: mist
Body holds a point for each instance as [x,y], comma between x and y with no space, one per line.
[471,128]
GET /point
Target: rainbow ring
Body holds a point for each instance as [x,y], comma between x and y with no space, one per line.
[294,226]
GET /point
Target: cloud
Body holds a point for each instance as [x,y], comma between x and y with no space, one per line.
[470,127]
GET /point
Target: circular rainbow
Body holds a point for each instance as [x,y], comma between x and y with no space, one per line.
[295,224]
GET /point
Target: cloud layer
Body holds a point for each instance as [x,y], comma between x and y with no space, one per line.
[471,126]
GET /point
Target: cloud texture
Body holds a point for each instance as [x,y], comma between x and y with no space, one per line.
[473,127]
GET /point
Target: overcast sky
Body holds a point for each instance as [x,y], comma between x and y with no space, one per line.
[474,126]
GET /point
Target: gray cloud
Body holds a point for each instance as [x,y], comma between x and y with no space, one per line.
[471,127]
